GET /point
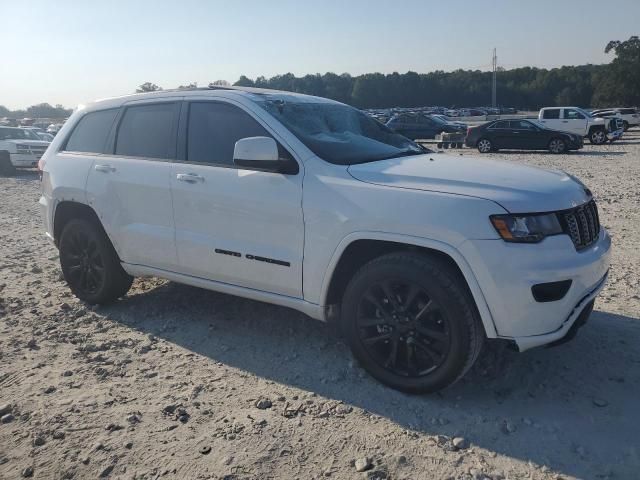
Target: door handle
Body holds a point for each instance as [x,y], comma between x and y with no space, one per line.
[104,168]
[565,121]
[189,177]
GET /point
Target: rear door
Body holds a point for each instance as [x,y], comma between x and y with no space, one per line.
[551,118]
[234,225]
[573,121]
[129,186]
[500,135]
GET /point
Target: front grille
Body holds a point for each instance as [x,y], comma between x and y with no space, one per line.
[582,224]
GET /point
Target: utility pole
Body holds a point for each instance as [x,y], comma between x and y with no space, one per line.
[493,84]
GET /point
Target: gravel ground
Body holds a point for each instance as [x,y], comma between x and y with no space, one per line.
[177,382]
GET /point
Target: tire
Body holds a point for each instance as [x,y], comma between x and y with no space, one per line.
[484,145]
[557,146]
[625,125]
[597,136]
[415,309]
[90,265]
[7,169]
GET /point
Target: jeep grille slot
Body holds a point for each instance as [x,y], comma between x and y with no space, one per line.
[582,224]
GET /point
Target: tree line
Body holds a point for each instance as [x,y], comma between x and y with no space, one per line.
[527,88]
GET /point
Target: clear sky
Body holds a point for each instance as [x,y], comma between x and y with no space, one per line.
[69,52]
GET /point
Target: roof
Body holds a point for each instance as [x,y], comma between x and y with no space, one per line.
[255,94]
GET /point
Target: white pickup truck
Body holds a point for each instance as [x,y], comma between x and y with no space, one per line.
[576,120]
[24,147]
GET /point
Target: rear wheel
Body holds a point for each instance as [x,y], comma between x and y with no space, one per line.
[598,136]
[411,323]
[557,145]
[90,265]
[484,145]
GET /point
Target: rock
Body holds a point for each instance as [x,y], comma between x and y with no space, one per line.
[263,403]
[36,269]
[39,440]
[169,409]
[508,427]
[32,344]
[27,472]
[205,449]
[8,418]
[342,409]
[134,418]
[363,464]
[377,475]
[67,373]
[5,408]
[600,402]
[107,471]
[128,445]
[97,446]
[58,435]
[50,389]
[459,443]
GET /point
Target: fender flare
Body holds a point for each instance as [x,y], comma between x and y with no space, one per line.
[445,248]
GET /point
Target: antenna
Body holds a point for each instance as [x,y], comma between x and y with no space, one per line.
[493,83]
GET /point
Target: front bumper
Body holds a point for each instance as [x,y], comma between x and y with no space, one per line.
[506,272]
[24,160]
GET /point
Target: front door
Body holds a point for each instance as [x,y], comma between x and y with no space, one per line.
[234,225]
[574,121]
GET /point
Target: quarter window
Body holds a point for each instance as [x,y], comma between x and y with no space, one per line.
[551,114]
[91,132]
[213,130]
[148,131]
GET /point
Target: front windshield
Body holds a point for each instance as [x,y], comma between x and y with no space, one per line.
[14,134]
[338,133]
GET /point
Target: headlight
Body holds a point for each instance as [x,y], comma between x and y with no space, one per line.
[526,228]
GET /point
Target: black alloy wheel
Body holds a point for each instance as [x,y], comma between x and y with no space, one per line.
[402,328]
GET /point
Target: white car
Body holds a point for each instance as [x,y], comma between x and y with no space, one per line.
[309,203]
[630,116]
[578,121]
[24,147]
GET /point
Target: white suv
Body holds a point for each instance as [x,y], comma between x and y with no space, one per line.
[309,203]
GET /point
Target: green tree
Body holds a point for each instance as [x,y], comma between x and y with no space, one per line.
[148,87]
[620,84]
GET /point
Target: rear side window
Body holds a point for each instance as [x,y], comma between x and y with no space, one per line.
[213,130]
[551,114]
[501,124]
[148,131]
[91,132]
[521,125]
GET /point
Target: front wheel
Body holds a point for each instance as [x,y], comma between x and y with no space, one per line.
[557,145]
[90,265]
[411,323]
[484,145]
[598,137]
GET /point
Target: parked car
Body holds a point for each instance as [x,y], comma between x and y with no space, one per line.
[443,118]
[24,147]
[520,135]
[415,126]
[418,256]
[578,121]
[630,116]
[41,134]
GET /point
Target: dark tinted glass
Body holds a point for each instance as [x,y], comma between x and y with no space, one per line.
[501,124]
[627,111]
[551,113]
[91,132]
[147,131]
[214,129]
[521,125]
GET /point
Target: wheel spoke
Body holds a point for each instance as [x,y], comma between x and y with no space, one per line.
[393,353]
[374,301]
[412,369]
[371,322]
[434,355]
[432,334]
[428,307]
[388,293]
[377,338]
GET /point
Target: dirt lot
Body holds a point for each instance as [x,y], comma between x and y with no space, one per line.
[166,383]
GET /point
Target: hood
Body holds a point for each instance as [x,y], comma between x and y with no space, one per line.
[517,188]
[35,143]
